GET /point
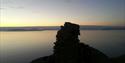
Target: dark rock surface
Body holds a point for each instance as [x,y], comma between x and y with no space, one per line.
[119,59]
[68,48]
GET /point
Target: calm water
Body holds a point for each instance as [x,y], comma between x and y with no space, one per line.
[22,47]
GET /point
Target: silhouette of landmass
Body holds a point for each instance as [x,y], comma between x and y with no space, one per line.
[69,49]
[40,28]
[120,59]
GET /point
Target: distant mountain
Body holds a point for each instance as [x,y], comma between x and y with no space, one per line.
[40,28]
[102,27]
[37,28]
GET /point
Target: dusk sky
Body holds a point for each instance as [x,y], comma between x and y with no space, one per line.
[56,12]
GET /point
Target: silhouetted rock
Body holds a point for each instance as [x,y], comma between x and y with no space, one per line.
[120,59]
[68,48]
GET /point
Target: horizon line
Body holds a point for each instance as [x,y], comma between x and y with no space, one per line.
[61,25]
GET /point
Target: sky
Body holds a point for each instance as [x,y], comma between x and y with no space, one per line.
[56,12]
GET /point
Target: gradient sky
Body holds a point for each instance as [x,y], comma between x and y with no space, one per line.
[56,12]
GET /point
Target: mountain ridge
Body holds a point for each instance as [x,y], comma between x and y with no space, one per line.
[40,28]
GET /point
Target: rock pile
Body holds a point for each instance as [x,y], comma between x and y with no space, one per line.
[68,48]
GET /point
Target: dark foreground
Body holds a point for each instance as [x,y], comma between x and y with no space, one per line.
[120,59]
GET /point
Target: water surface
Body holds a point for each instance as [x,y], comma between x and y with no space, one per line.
[22,47]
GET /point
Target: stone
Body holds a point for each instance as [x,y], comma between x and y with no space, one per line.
[69,49]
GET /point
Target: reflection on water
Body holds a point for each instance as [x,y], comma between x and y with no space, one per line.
[22,47]
[109,42]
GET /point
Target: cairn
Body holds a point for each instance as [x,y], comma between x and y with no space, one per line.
[68,48]
[67,44]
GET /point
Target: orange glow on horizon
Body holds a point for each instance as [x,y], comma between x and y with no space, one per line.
[55,24]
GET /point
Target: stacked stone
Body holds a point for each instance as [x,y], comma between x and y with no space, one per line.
[68,48]
[67,44]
